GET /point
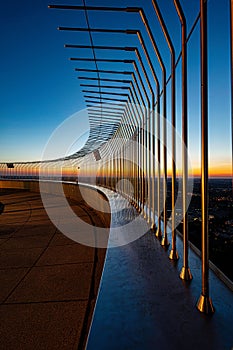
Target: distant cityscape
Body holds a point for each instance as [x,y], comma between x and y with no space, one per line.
[220,222]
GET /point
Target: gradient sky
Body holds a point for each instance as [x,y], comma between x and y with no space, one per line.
[39,87]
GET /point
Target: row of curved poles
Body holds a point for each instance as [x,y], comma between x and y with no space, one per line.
[135,112]
[204,303]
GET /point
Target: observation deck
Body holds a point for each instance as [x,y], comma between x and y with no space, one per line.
[141,302]
[149,75]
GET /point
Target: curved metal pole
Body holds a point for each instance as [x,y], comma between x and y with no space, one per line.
[111,61]
[127,134]
[160,60]
[143,134]
[204,303]
[139,143]
[138,33]
[142,42]
[140,11]
[147,161]
[158,232]
[173,254]
[138,122]
[147,136]
[148,103]
[139,194]
[130,173]
[185,272]
[116,94]
[135,174]
[131,135]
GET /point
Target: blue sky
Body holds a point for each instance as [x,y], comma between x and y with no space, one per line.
[39,88]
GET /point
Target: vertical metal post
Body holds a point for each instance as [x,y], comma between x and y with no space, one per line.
[164,242]
[185,272]
[204,303]
[145,163]
[137,102]
[149,165]
[231,46]
[121,167]
[102,172]
[141,162]
[110,170]
[113,169]
[135,164]
[144,168]
[153,129]
[159,231]
[153,168]
[144,124]
[173,254]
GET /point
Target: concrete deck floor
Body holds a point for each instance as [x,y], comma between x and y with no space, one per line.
[48,283]
[143,304]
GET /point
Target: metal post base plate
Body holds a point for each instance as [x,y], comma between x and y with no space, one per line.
[165,242]
[153,227]
[185,274]
[158,233]
[205,305]
[173,255]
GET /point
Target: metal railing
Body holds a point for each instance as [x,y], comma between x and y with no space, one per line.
[128,137]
